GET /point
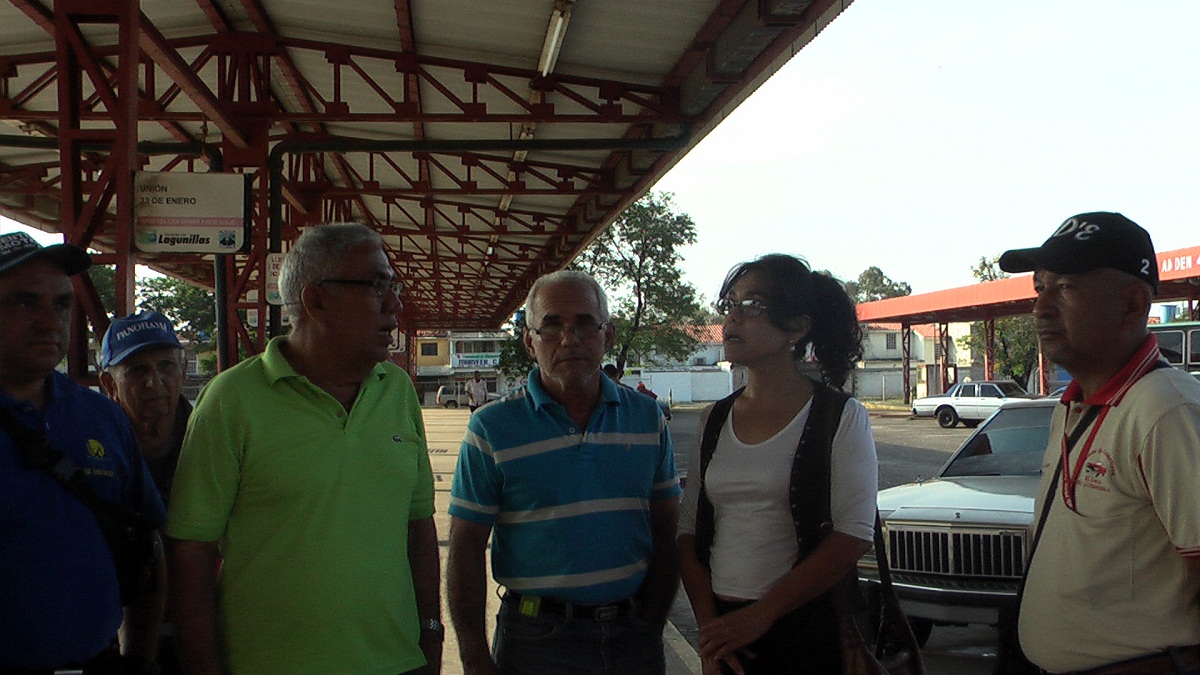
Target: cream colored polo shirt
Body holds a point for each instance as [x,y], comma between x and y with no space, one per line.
[1112,580]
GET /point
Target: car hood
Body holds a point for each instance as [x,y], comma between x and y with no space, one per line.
[992,499]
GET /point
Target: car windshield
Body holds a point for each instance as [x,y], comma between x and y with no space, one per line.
[1011,444]
[1011,388]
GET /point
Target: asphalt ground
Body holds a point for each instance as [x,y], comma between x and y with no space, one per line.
[909,449]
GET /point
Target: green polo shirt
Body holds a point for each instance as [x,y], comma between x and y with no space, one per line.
[311,506]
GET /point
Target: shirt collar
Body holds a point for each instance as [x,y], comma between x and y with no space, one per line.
[1142,362]
[533,384]
[277,367]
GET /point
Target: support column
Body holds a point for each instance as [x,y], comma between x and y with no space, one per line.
[989,349]
[118,97]
[906,333]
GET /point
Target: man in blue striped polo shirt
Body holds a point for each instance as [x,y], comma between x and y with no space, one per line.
[577,478]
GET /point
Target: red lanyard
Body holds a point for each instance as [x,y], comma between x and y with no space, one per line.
[1071,476]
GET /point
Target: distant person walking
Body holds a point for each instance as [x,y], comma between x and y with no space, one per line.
[477,392]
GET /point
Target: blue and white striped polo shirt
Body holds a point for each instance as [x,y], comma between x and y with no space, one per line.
[570,507]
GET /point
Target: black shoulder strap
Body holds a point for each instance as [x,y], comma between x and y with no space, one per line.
[37,454]
[706,519]
[810,481]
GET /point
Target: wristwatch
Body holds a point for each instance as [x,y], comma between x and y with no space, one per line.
[433,626]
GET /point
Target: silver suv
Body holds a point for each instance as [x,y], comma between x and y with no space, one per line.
[957,543]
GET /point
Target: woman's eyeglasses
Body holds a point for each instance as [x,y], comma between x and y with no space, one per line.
[748,307]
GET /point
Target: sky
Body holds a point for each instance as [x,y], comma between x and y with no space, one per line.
[920,136]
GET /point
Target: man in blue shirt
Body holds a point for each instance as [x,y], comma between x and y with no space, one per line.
[576,476]
[60,603]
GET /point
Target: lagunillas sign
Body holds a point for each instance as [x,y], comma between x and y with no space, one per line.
[190,212]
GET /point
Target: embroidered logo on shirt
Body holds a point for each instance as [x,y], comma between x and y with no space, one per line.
[397,438]
[1098,471]
[95,448]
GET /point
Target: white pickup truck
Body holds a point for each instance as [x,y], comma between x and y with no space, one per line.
[968,402]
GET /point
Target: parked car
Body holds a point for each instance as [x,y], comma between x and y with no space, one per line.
[455,395]
[957,543]
[968,402]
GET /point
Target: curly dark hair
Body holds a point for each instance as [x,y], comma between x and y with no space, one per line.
[794,290]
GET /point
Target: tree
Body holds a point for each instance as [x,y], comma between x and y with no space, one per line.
[637,261]
[192,309]
[873,285]
[1016,348]
[104,278]
[515,361]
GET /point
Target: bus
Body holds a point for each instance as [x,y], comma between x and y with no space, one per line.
[1179,342]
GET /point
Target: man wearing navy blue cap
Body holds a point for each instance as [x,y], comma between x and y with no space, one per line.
[60,602]
[142,364]
[1113,573]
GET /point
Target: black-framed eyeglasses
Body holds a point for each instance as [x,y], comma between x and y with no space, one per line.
[584,330]
[748,307]
[382,286]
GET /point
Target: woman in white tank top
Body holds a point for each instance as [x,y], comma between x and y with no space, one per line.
[762,607]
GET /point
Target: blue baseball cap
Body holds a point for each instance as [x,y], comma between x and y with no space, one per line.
[130,334]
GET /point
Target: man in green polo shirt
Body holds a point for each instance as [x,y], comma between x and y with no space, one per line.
[305,472]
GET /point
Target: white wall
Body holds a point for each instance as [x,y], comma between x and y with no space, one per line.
[684,386]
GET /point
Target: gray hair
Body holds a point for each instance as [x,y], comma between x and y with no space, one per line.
[318,254]
[569,277]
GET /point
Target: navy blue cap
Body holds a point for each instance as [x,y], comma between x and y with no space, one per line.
[17,248]
[130,334]
[1090,241]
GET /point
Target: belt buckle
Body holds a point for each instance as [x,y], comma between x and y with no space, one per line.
[607,612]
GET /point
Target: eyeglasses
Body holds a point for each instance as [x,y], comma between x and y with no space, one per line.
[747,308]
[584,330]
[383,287]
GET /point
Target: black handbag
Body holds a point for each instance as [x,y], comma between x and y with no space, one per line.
[131,535]
[896,650]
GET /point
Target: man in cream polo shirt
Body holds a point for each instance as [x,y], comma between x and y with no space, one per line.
[1114,577]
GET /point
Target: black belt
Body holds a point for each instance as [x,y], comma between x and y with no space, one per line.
[533,605]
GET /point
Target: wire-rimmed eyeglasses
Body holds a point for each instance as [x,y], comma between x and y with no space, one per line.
[747,307]
[584,330]
[382,287]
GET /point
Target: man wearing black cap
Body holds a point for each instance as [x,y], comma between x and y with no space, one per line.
[1114,571]
[60,604]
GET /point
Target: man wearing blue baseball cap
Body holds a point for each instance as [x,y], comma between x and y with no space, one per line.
[60,598]
[142,369]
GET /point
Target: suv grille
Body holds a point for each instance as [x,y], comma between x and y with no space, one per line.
[976,553]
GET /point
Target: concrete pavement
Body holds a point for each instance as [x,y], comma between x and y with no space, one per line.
[444,430]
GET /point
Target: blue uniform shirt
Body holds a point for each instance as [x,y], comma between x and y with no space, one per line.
[59,599]
[570,506]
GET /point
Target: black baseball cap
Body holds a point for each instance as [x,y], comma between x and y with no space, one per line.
[18,248]
[1090,241]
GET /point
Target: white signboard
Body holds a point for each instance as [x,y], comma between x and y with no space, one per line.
[483,360]
[189,212]
[274,263]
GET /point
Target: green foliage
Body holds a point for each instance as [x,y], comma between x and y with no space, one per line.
[1016,348]
[104,277]
[192,309]
[637,261]
[873,285]
[515,361]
